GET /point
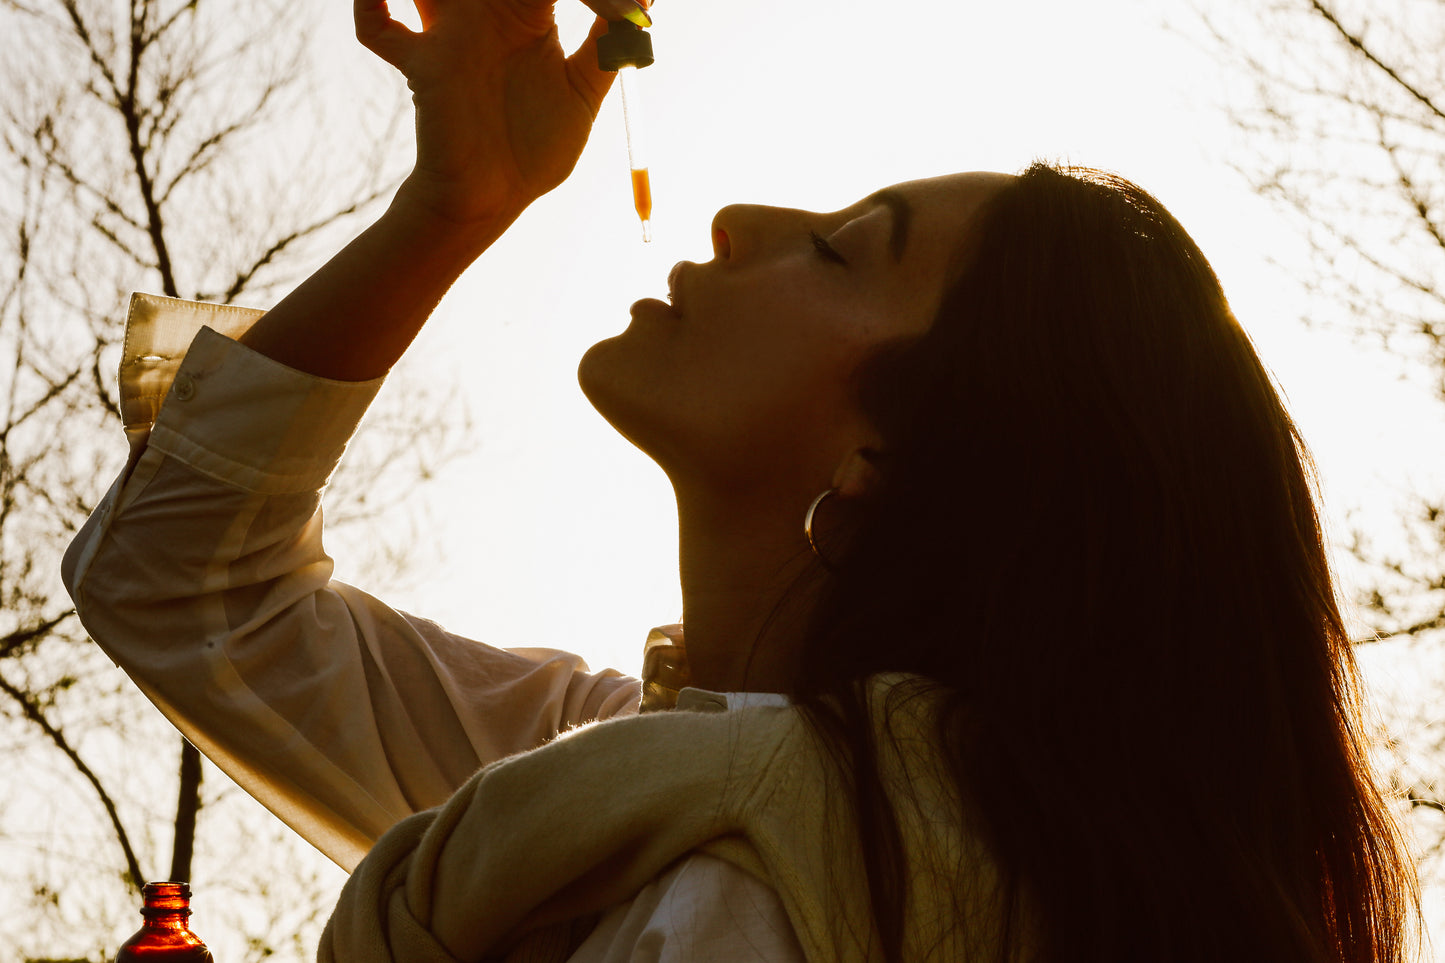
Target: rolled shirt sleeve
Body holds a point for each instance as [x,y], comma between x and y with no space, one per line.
[203,575]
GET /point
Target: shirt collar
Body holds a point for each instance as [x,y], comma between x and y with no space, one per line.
[665,680]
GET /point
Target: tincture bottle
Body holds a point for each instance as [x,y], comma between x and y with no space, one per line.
[166,936]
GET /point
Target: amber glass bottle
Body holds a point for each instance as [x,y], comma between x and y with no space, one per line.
[166,936]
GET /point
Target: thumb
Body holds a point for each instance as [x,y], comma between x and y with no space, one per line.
[379,33]
[589,80]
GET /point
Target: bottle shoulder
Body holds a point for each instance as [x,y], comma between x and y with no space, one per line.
[156,945]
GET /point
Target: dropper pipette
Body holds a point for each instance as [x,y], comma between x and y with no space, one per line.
[636,148]
[626,48]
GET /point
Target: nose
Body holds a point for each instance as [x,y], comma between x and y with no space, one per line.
[721,247]
[744,230]
[726,226]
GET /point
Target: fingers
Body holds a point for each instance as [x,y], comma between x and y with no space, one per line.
[379,33]
[634,10]
[582,71]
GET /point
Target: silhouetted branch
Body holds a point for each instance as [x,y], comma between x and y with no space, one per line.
[1418,203]
[82,33]
[33,712]
[207,149]
[145,101]
[102,395]
[39,405]
[131,115]
[155,36]
[112,207]
[244,277]
[1345,132]
[188,805]
[1358,44]
[21,638]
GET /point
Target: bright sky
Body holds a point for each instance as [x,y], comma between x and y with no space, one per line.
[556,531]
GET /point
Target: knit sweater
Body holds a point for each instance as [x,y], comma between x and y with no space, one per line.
[516,865]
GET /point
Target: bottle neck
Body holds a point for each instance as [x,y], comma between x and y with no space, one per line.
[167,919]
[167,905]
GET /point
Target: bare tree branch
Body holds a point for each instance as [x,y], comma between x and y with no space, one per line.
[111,205]
[21,638]
[124,113]
[245,276]
[37,406]
[82,33]
[1358,43]
[121,246]
[101,394]
[33,712]
[130,114]
[1345,133]
[188,807]
[158,34]
[206,150]
[1416,200]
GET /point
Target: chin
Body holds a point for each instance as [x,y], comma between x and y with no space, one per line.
[594,372]
[624,397]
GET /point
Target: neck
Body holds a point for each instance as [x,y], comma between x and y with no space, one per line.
[737,564]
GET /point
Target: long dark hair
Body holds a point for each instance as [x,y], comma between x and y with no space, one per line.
[1096,533]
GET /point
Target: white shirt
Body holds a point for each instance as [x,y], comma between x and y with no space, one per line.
[202,574]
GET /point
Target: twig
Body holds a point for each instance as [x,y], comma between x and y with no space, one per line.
[1359,45]
[33,712]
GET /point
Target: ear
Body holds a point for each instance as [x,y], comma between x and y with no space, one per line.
[857,474]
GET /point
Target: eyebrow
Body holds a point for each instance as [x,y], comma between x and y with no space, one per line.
[902,217]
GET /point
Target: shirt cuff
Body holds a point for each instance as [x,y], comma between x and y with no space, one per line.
[158,330]
[242,418]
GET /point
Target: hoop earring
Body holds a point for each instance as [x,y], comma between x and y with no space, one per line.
[808,527]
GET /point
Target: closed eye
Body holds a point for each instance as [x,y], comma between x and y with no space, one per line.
[828,252]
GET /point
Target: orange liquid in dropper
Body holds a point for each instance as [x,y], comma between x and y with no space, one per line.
[642,194]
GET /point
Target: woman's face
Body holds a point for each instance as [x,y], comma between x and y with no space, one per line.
[743,380]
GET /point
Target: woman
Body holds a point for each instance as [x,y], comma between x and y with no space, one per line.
[1052,670]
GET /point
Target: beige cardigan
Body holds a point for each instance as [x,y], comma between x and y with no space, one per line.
[516,865]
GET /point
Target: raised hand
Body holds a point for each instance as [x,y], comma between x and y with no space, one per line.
[502,116]
[502,112]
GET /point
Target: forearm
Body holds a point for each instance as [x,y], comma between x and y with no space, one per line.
[353,318]
[204,577]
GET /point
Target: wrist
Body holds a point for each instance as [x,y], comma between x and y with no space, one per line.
[436,221]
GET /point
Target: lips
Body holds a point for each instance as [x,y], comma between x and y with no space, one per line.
[674,289]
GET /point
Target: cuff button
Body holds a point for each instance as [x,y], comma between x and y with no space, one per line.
[184,388]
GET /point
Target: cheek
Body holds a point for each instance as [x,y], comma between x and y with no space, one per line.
[775,384]
[778,352]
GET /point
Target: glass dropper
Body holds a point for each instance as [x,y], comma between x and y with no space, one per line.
[626,48]
[636,148]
